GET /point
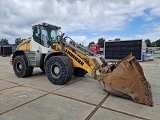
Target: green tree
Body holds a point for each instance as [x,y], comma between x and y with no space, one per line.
[148,42]
[101,42]
[91,43]
[4,41]
[157,43]
[117,39]
[153,44]
[81,45]
[18,41]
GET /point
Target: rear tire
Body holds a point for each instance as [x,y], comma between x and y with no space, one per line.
[29,71]
[59,69]
[21,68]
[79,72]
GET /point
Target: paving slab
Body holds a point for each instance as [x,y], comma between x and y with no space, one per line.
[21,81]
[39,81]
[150,68]
[151,72]
[6,74]
[5,85]
[155,88]
[154,81]
[104,114]
[157,61]
[44,84]
[6,70]
[158,65]
[50,107]
[130,107]
[87,89]
[4,60]
[16,96]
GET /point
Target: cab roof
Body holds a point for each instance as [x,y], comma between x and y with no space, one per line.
[46,24]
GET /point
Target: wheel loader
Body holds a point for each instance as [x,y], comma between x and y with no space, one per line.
[60,57]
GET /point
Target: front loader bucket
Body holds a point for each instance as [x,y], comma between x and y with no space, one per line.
[127,80]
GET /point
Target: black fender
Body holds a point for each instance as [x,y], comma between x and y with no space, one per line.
[20,52]
[50,54]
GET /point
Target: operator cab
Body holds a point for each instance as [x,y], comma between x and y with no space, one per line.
[45,33]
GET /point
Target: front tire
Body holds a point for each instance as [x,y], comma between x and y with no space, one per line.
[79,72]
[20,67]
[59,69]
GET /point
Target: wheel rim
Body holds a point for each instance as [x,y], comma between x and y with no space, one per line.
[55,70]
[19,66]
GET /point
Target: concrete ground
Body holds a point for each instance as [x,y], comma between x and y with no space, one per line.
[35,98]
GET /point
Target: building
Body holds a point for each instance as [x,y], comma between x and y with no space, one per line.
[6,50]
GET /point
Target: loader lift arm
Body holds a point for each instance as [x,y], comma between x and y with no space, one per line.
[125,79]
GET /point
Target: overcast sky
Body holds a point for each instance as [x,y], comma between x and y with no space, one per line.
[83,20]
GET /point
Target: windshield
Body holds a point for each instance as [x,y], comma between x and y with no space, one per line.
[49,33]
